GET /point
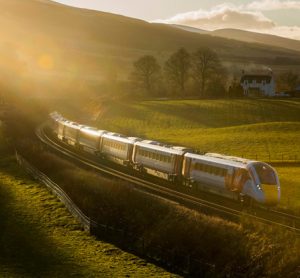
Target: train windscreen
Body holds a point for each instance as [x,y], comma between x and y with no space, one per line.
[266,174]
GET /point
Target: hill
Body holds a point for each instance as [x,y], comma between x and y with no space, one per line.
[247,36]
[48,47]
[254,37]
[191,29]
[262,129]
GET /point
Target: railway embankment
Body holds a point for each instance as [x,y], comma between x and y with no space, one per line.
[186,240]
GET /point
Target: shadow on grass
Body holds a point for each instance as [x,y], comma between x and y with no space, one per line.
[25,250]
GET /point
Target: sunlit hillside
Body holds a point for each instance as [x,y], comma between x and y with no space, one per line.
[261,129]
[56,49]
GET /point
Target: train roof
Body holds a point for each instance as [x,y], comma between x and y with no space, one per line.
[119,138]
[72,124]
[229,157]
[92,131]
[218,160]
[160,147]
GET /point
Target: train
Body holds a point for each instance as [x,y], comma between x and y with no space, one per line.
[228,176]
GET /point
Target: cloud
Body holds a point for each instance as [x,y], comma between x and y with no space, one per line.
[222,16]
[247,17]
[272,5]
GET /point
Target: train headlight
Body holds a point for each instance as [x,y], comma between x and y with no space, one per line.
[258,186]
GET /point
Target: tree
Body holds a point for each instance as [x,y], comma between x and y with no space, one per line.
[205,67]
[235,89]
[146,72]
[177,68]
[288,81]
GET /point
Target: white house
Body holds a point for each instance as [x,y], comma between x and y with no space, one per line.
[258,84]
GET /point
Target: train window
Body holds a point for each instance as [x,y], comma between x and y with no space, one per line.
[265,173]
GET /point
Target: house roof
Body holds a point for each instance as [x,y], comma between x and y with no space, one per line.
[258,78]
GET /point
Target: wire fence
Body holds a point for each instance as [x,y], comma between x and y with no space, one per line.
[175,259]
[85,221]
[275,158]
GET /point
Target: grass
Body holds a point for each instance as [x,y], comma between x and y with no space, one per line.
[262,129]
[290,185]
[38,237]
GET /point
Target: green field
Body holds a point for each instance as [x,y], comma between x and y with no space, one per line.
[39,238]
[262,129]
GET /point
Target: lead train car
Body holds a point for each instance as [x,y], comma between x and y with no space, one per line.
[232,177]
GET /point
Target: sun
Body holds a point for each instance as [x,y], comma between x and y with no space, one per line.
[46,62]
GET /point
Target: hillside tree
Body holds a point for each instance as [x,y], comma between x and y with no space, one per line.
[206,67]
[288,81]
[146,72]
[177,69]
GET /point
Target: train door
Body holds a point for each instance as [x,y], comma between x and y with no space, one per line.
[236,179]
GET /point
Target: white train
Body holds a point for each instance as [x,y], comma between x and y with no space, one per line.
[232,177]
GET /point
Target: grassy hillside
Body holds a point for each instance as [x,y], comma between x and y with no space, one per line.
[39,238]
[57,49]
[256,129]
[237,127]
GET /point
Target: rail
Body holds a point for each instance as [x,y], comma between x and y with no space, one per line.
[85,221]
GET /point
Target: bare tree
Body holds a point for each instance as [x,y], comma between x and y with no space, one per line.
[177,68]
[146,72]
[205,66]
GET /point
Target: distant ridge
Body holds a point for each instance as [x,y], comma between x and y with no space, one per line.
[191,29]
[247,36]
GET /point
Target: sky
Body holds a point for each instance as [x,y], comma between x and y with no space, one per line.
[278,17]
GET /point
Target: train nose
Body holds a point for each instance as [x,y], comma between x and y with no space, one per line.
[272,193]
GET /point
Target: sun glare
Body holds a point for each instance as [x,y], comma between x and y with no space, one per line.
[46,62]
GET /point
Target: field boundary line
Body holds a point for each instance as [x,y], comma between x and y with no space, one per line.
[56,190]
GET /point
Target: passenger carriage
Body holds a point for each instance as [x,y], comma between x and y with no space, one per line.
[54,120]
[117,148]
[89,139]
[158,160]
[71,133]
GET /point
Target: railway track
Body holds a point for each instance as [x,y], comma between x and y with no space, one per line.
[270,217]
